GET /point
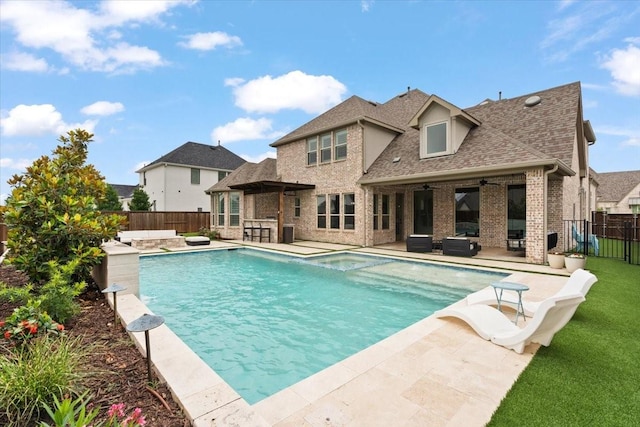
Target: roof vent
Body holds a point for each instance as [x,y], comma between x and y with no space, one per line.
[532,101]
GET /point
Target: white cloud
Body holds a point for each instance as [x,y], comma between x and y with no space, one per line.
[624,65]
[365,5]
[210,41]
[15,164]
[244,129]
[295,90]
[585,26]
[259,157]
[34,120]
[102,108]
[631,136]
[21,61]
[119,12]
[85,38]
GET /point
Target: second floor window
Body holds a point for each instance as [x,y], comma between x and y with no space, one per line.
[434,140]
[195,176]
[312,151]
[325,148]
[340,149]
[222,175]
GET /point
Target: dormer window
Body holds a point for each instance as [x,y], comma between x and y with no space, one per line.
[436,138]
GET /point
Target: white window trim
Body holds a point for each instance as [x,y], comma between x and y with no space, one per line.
[424,141]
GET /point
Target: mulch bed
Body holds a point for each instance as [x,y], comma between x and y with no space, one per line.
[119,370]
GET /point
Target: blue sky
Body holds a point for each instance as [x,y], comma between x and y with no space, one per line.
[147,76]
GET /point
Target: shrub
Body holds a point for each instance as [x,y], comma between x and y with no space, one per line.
[212,234]
[15,294]
[31,375]
[28,322]
[51,212]
[70,413]
[57,296]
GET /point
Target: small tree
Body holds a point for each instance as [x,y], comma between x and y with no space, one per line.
[51,214]
[110,202]
[139,201]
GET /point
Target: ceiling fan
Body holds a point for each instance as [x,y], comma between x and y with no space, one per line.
[484,182]
[429,187]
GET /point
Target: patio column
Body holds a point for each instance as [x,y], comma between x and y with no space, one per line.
[280,214]
[536,238]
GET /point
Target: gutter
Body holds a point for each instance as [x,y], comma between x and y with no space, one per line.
[557,165]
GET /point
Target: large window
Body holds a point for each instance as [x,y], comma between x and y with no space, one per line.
[517,212]
[385,212]
[312,150]
[234,209]
[325,148]
[328,147]
[340,145]
[436,139]
[220,204]
[322,211]
[195,176]
[335,210]
[468,212]
[349,211]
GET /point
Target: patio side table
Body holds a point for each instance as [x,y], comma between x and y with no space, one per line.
[500,287]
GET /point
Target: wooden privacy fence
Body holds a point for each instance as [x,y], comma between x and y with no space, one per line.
[182,222]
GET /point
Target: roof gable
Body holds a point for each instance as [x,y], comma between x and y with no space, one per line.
[615,186]
[453,110]
[393,114]
[194,154]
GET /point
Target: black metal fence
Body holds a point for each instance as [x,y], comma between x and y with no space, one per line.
[607,235]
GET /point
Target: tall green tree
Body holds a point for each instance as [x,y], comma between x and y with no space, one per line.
[139,201]
[111,201]
[51,214]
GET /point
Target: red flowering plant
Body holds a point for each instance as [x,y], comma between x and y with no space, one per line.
[28,322]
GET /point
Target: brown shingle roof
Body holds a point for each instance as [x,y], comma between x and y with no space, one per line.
[248,172]
[394,114]
[615,186]
[509,134]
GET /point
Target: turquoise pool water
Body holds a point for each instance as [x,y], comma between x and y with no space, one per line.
[265,321]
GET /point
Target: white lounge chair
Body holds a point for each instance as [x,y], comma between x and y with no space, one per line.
[579,282]
[491,324]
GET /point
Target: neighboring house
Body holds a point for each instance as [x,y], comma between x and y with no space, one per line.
[177,181]
[125,194]
[366,174]
[618,192]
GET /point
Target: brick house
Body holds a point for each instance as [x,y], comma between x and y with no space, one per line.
[366,173]
[618,192]
[177,180]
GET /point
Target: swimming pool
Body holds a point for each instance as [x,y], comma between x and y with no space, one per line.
[265,321]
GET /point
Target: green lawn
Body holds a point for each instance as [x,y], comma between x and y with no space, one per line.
[590,374]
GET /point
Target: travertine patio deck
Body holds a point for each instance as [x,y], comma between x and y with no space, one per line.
[437,372]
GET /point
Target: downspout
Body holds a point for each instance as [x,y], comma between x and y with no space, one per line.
[545,212]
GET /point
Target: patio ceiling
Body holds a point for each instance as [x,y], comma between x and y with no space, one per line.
[259,187]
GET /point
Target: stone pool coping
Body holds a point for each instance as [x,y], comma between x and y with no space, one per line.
[436,371]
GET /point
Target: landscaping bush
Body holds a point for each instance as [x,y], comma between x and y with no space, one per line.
[32,374]
[58,295]
[28,322]
[51,212]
